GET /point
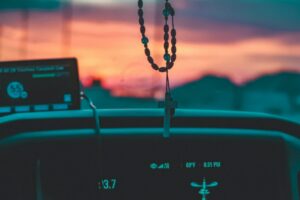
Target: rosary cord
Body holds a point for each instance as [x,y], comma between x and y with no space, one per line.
[168,90]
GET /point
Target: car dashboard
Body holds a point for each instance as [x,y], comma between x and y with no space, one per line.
[209,155]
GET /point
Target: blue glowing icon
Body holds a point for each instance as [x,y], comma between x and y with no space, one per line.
[204,188]
[164,166]
[161,166]
[153,166]
[67,97]
[15,90]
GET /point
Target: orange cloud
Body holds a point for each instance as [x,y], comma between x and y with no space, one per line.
[112,52]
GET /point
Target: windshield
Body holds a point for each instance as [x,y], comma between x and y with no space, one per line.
[231,55]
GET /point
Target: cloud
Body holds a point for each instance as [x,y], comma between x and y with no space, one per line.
[106,41]
[209,21]
[273,15]
[198,21]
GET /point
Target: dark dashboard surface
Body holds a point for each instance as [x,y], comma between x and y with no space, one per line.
[139,163]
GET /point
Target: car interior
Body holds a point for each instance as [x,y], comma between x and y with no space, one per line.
[65,135]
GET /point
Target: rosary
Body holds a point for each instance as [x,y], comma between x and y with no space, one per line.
[169,104]
[168,10]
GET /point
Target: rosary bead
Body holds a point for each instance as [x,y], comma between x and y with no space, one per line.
[173,41]
[166,45]
[173,49]
[141,21]
[173,32]
[173,57]
[162,69]
[170,65]
[166,28]
[167,57]
[154,66]
[150,60]
[147,52]
[145,40]
[140,12]
[166,37]
[140,3]
[172,12]
[143,29]
[166,12]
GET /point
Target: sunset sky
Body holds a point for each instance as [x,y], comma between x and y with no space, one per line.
[238,39]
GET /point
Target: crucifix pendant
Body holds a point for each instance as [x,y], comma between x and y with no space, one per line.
[169,104]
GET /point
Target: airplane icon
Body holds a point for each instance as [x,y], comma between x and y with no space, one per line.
[204,188]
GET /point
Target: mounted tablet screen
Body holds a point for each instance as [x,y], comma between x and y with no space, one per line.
[39,85]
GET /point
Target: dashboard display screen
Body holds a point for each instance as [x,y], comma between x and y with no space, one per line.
[191,168]
[147,168]
[39,85]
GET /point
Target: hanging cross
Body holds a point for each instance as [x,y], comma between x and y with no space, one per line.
[169,104]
